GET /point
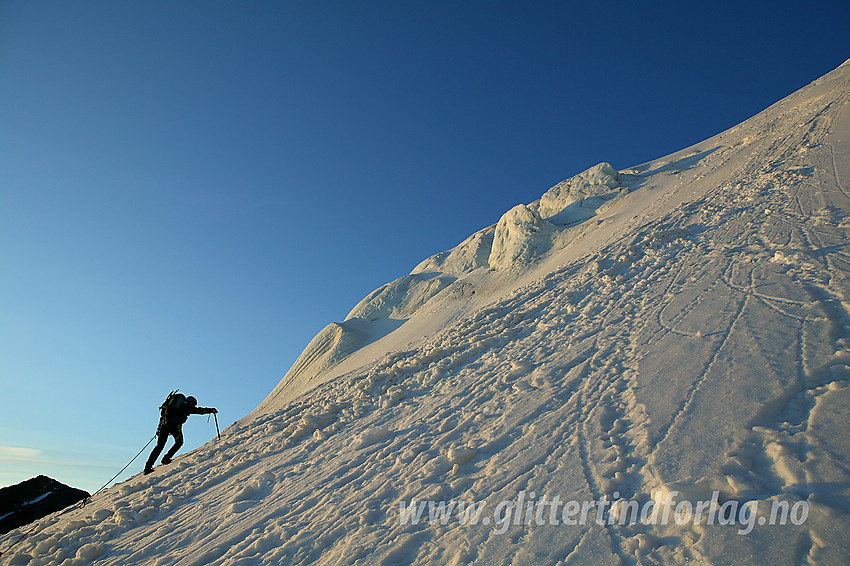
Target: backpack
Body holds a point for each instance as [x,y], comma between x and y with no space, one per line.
[172,402]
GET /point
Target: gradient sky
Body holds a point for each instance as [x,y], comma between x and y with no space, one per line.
[190,191]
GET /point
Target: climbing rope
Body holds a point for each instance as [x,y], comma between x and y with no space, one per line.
[86,500]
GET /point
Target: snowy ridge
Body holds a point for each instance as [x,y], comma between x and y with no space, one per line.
[689,338]
[521,237]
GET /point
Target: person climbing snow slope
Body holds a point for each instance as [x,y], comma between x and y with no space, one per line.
[174,412]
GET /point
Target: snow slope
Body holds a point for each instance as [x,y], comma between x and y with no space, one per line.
[672,332]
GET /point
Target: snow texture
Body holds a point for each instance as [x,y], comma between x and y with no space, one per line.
[661,332]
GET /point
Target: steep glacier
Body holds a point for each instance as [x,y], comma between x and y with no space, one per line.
[675,332]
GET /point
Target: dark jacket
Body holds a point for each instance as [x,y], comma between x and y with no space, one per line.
[181,414]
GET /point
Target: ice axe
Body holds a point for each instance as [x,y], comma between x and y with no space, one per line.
[216,426]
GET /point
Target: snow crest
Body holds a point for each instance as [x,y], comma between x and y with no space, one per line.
[559,204]
[520,236]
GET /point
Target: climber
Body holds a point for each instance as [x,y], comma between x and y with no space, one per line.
[174,412]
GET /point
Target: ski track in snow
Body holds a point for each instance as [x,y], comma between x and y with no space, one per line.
[703,346]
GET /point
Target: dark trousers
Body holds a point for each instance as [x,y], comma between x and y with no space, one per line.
[162,433]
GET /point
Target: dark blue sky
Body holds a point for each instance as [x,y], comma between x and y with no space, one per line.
[189,191]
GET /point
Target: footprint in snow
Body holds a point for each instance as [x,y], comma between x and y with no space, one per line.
[253,492]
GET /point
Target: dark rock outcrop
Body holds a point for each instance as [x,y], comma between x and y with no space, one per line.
[33,499]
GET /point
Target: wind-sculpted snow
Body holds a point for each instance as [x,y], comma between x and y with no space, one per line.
[686,345]
[401,298]
[472,253]
[521,235]
[332,343]
[520,238]
[558,203]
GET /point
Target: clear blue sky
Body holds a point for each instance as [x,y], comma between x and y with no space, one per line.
[189,191]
